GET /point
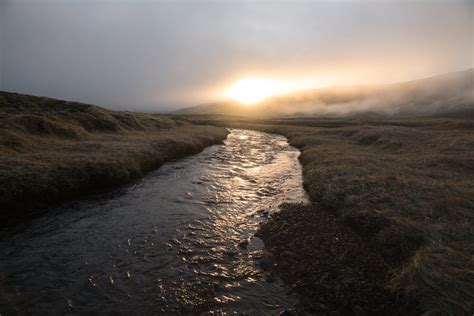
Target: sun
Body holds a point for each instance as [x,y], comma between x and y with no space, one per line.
[254,90]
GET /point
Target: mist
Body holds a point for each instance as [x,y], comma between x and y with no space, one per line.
[449,94]
[160,56]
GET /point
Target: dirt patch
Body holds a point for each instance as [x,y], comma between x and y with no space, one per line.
[331,268]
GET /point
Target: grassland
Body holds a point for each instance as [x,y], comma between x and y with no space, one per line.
[52,149]
[406,186]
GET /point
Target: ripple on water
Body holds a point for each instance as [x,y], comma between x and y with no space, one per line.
[178,240]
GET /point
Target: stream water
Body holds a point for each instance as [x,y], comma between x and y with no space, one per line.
[173,242]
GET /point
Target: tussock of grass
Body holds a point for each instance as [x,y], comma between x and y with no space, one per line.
[52,149]
[425,276]
[406,186]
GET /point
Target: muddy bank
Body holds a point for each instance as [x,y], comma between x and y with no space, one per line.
[52,150]
[330,267]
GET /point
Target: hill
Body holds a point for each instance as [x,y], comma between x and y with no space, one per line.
[52,149]
[449,94]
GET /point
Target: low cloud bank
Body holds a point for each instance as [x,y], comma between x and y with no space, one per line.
[450,94]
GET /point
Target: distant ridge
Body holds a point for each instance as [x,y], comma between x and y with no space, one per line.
[450,94]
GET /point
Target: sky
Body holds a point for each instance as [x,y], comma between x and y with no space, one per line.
[161,55]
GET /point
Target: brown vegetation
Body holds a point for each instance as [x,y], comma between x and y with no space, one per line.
[325,262]
[405,186]
[52,149]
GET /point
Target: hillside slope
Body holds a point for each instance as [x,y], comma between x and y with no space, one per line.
[449,94]
[52,149]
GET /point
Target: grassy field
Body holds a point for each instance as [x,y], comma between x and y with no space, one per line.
[52,149]
[405,185]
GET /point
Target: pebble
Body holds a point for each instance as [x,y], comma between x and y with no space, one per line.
[244,243]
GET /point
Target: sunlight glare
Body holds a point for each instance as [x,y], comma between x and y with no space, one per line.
[253,90]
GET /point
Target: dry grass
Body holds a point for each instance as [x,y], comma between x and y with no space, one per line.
[406,186]
[52,149]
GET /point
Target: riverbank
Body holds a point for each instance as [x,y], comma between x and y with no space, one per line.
[404,186]
[52,150]
[169,243]
[329,266]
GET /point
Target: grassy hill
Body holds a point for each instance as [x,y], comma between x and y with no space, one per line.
[52,149]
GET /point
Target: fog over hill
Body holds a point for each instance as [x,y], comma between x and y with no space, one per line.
[158,56]
[449,94]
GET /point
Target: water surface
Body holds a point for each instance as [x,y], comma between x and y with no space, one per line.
[176,241]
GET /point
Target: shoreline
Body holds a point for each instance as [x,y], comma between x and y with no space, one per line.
[331,269]
[107,172]
[53,150]
[403,186]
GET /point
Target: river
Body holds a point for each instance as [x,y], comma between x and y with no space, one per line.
[179,240]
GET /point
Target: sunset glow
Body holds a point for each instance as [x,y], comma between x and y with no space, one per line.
[254,90]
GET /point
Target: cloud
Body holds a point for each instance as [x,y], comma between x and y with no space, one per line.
[158,55]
